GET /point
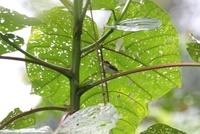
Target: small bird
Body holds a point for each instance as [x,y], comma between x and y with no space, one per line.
[109,68]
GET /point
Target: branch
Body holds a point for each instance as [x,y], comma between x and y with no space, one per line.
[62,70]
[18,48]
[67,4]
[85,9]
[87,87]
[89,47]
[125,8]
[30,112]
[35,59]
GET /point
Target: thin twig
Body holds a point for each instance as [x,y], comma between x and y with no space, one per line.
[62,70]
[185,64]
[100,59]
[31,112]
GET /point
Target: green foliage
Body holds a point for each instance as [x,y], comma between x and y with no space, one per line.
[51,41]
[162,129]
[132,94]
[194,50]
[11,21]
[7,48]
[23,122]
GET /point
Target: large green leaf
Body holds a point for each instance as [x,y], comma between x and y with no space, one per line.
[130,94]
[132,50]
[23,122]
[11,20]
[5,47]
[51,42]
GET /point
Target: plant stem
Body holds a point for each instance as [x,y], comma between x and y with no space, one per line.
[67,4]
[87,87]
[85,9]
[78,18]
[89,47]
[123,11]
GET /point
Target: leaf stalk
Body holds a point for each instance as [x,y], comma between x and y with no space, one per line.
[185,64]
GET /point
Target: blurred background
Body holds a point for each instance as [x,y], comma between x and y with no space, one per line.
[180,108]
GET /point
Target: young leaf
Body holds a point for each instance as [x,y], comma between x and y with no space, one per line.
[7,48]
[162,129]
[136,24]
[23,122]
[132,50]
[11,20]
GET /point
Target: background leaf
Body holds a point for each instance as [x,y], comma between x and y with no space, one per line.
[23,122]
[131,50]
[7,48]
[194,48]
[162,129]
[11,20]
[51,42]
